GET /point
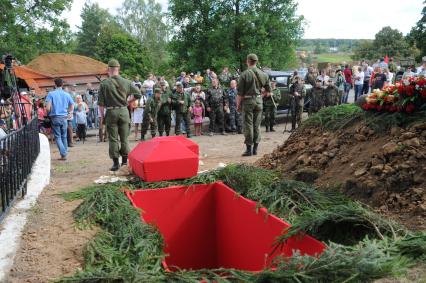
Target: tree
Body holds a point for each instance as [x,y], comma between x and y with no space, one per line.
[94,18]
[147,23]
[418,33]
[212,33]
[29,28]
[113,42]
[387,41]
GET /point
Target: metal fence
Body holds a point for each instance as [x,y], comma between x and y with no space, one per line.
[18,151]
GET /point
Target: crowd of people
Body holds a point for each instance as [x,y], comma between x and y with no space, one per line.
[190,98]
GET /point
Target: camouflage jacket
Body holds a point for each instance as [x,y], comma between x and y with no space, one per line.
[331,95]
[151,108]
[275,95]
[181,96]
[166,106]
[301,90]
[215,97]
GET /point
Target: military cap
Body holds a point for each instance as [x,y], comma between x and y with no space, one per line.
[113,63]
[252,57]
[163,83]
[179,84]
[157,90]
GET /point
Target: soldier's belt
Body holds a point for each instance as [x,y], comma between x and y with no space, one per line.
[115,107]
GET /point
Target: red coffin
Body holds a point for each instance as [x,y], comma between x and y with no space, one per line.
[163,160]
[186,142]
[210,226]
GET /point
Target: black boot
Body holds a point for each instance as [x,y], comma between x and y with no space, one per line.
[123,161]
[255,148]
[153,135]
[248,151]
[115,165]
[167,133]
[272,129]
[267,129]
[161,134]
[142,137]
[188,135]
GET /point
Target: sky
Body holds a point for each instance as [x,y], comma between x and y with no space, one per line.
[359,19]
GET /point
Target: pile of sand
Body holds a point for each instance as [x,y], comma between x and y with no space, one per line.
[61,63]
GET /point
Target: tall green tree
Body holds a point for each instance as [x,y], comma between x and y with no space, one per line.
[147,23]
[215,33]
[418,33]
[387,41]
[29,28]
[113,42]
[94,18]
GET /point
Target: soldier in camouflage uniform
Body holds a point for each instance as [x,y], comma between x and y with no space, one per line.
[331,94]
[317,98]
[311,77]
[298,93]
[150,114]
[225,77]
[181,101]
[252,83]
[215,104]
[114,95]
[164,113]
[270,106]
[234,124]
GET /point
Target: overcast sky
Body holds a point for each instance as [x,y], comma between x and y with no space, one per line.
[325,18]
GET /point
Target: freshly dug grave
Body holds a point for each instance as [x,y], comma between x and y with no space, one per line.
[379,159]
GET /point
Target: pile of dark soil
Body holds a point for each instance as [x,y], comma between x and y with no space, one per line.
[385,169]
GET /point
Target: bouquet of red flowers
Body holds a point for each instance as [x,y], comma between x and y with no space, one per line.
[405,96]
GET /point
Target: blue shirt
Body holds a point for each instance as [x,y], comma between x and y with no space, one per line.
[60,102]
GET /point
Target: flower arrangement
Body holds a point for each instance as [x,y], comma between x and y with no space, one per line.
[407,96]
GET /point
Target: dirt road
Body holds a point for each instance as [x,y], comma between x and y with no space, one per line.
[52,247]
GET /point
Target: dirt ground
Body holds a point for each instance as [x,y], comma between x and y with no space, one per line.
[52,247]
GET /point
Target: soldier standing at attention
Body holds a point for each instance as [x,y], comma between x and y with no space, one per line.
[164,113]
[114,95]
[251,84]
[215,103]
[298,93]
[182,104]
[270,106]
[310,77]
[150,114]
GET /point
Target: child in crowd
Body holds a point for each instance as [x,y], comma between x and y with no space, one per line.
[198,117]
[44,123]
[81,119]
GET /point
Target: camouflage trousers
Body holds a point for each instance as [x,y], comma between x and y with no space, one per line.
[270,112]
[233,120]
[216,117]
[252,114]
[164,121]
[147,123]
[296,115]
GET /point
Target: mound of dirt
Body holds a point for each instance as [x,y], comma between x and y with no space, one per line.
[61,63]
[386,171]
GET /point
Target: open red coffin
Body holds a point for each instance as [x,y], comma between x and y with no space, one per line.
[210,226]
[186,142]
[162,160]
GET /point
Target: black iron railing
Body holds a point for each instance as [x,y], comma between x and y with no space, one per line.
[18,151]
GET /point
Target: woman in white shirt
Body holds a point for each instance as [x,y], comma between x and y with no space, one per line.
[138,107]
[389,76]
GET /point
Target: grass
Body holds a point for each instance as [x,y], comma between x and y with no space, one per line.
[333,58]
[342,116]
[362,246]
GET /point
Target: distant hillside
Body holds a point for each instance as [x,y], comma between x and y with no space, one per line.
[328,45]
